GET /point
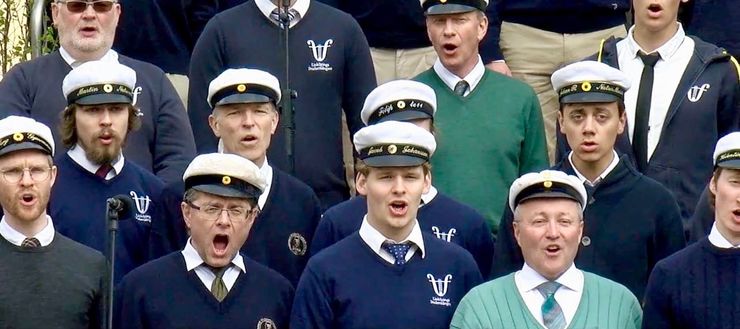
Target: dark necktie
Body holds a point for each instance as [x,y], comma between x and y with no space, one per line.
[103,171]
[218,287]
[552,314]
[398,250]
[30,243]
[461,87]
[642,110]
[292,15]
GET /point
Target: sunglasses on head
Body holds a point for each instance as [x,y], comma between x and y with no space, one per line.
[78,6]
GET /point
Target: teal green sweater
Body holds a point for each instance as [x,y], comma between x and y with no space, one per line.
[496,304]
[486,140]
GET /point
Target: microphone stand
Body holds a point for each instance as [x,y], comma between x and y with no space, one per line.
[287,116]
[112,219]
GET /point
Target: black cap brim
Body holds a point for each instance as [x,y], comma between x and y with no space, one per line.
[393,161]
[589,97]
[21,147]
[550,195]
[104,99]
[245,98]
[221,190]
[730,164]
[452,8]
[405,116]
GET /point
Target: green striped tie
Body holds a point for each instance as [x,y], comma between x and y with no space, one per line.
[552,315]
[218,287]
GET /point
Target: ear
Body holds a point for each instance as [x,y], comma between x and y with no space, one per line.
[52,176]
[274,122]
[213,123]
[186,212]
[55,12]
[515,224]
[482,27]
[713,185]
[427,182]
[560,121]
[622,122]
[361,184]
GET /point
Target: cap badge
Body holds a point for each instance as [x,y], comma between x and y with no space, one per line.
[226,180]
[548,179]
[442,1]
[392,149]
[586,86]
[18,137]
[241,88]
[401,104]
[107,88]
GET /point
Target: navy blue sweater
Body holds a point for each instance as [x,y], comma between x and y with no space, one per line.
[162,32]
[162,295]
[559,16]
[279,237]
[78,203]
[682,161]
[443,217]
[349,286]
[328,80]
[631,222]
[696,288]
[163,145]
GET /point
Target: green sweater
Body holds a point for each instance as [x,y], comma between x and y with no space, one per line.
[486,140]
[496,304]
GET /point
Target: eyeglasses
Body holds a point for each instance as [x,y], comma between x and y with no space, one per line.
[213,213]
[78,6]
[14,175]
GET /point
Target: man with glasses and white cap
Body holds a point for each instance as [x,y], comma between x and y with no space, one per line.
[96,124]
[390,274]
[549,291]
[492,124]
[86,31]
[209,284]
[47,279]
[245,117]
[446,218]
[698,286]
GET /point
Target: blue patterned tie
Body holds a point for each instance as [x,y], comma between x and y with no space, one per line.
[398,250]
[552,315]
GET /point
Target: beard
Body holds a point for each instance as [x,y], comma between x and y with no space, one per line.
[26,214]
[100,154]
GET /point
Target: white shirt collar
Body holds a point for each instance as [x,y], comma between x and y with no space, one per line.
[374,239]
[266,7]
[266,172]
[718,240]
[193,260]
[666,51]
[110,55]
[429,196]
[609,168]
[45,236]
[78,155]
[571,279]
[450,79]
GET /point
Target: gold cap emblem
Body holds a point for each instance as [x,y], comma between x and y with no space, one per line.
[18,137]
[401,104]
[392,149]
[586,86]
[241,88]
[107,88]
[226,180]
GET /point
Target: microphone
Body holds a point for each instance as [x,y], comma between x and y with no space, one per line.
[122,205]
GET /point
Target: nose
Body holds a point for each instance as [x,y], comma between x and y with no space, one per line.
[26,179]
[105,118]
[247,119]
[223,218]
[449,28]
[399,186]
[552,230]
[589,124]
[89,11]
